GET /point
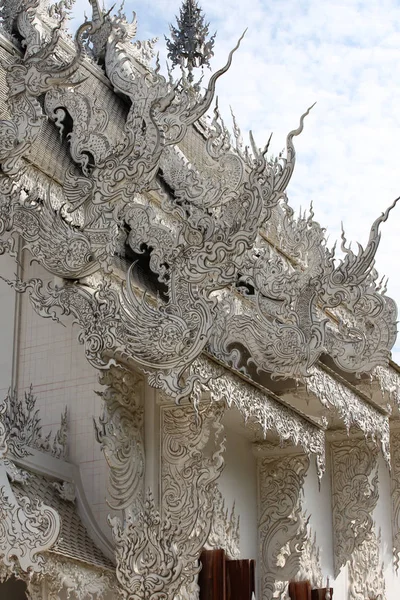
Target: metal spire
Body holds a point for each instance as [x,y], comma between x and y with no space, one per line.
[190,45]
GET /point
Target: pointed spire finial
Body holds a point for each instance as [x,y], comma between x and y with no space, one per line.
[190,45]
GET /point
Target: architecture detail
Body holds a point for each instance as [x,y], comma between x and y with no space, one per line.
[355,495]
[225,528]
[395,495]
[190,496]
[164,547]
[262,409]
[281,527]
[27,529]
[22,422]
[189,46]
[310,564]
[334,394]
[29,78]
[120,433]
[109,166]
[77,581]
[173,248]
[366,571]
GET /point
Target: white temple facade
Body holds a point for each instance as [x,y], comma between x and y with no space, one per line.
[185,366]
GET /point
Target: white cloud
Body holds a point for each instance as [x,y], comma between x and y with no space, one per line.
[344,54]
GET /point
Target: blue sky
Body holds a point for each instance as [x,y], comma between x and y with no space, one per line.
[343,54]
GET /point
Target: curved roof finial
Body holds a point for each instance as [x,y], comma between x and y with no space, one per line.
[190,45]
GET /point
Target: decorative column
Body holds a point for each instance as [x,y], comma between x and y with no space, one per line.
[355,493]
[157,548]
[192,447]
[287,548]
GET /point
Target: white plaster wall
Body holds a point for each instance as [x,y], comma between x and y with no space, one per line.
[7,313]
[51,358]
[238,483]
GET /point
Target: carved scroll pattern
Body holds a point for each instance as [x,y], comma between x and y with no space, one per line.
[355,495]
[29,78]
[395,495]
[282,531]
[189,493]
[366,575]
[212,244]
[266,412]
[120,433]
[160,115]
[27,529]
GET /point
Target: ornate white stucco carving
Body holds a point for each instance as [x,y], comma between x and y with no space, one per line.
[120,433]
[77,580]
[27,529]
[225,528]
[310,563]
[282,530]
[261,409]
[24,430]
[156,550]
[29,78]
[395,495]
[353,411]
[184,463]
[389,381]
[355,494]
[366,576]
[218,201]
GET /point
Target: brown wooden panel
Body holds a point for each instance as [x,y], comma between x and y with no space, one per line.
[300,590]
[320,594]
[240,582]
[13,589]
[212,575]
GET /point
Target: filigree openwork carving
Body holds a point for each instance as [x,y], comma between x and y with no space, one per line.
[262,410]
[336,396]
[22,422]
[77,580]
[156,550]
[366,571]
[225,528]
[282,531]
[310,563]
[355,495]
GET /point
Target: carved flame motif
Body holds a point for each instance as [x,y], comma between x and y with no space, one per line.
[27,529]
